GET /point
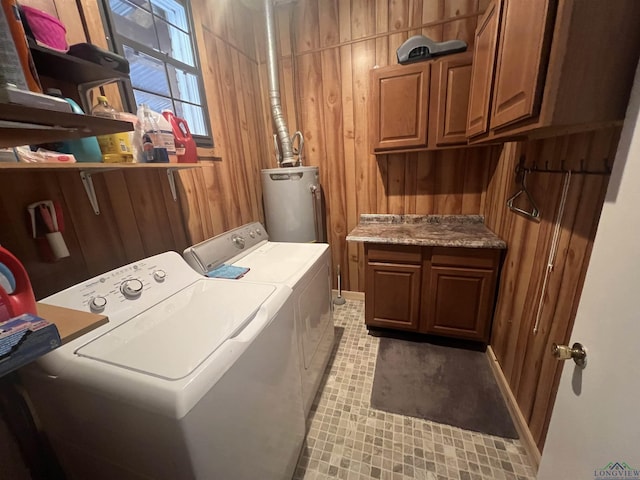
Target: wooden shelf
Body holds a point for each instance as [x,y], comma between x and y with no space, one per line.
[96,167]
[87,170]
[21,125]
[71,324]
[62,66]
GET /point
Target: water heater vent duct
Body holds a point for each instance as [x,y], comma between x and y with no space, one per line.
[288,157]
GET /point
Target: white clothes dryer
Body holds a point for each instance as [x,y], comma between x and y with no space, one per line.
[191,378]
[304,267]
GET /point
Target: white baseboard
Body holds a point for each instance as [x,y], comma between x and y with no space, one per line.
[516,415]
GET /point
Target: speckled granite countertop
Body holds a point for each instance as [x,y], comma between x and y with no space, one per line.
[466,231]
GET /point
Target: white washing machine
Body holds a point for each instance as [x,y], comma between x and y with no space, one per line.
[192,378]
[305,267]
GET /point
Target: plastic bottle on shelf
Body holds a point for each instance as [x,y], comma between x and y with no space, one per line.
[153,148]
[83,149]
[185,144]
[115,147]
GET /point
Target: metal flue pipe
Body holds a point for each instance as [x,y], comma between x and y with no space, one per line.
[288,158]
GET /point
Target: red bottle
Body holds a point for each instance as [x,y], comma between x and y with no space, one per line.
[185,144]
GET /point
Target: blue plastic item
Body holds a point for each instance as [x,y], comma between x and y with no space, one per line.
[7,280]
[83,149]
[227,271]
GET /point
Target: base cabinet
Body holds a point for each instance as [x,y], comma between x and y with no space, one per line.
[440,291]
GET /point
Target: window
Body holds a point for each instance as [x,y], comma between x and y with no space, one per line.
[155,36]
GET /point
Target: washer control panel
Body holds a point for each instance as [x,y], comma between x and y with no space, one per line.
[207,255]
[129,289]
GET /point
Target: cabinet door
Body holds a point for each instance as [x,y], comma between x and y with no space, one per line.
[486,40]
[450,83]
[459,302]
[400,100]
[392,297]
[520,70]
[392,286]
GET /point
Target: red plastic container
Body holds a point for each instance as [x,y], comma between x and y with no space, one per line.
[22,299]
[185,144]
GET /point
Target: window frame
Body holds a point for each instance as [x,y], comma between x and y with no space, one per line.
[116,44]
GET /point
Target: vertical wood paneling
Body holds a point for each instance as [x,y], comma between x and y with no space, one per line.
[363,19]
[329,24]
[327,49]
[94,232]
[523,355]
[350,267]
[17,191]
[395,183]
[334,149]
[333,48]
[308,35]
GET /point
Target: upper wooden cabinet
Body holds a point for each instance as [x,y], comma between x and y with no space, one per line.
[400,100]
[422,105]
[450,79]
[552,65]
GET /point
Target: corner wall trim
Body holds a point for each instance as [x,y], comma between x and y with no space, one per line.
[516,415]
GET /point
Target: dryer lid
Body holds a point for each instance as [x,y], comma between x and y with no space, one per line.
[172,338]
[278,262]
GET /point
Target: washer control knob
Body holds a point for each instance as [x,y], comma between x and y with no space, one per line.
[97,304]
[252,234]
[159,275]
[238,241]
[131,288]
[258,231]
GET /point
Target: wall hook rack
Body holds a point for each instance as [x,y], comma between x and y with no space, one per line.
[521,169]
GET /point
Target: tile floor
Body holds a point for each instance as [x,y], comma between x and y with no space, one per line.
[348,439]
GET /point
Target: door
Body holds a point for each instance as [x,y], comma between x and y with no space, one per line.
[392,286]
[484,56]
[594,431]
[450,83]
[400,102]
[519,66]
[459,302]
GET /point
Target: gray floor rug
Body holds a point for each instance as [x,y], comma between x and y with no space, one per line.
[447,385]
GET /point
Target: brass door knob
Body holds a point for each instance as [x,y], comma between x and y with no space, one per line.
[564,352]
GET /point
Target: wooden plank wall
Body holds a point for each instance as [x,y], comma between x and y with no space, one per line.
[533,374]
[139,218]
[228,193]
[327,48]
